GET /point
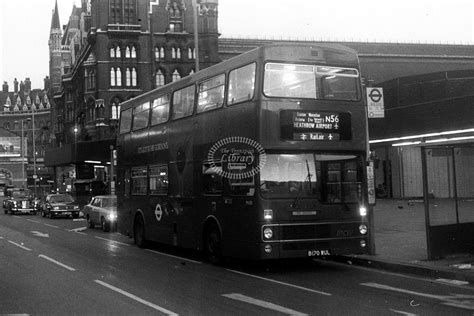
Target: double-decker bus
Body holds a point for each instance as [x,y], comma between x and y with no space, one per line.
[262,156]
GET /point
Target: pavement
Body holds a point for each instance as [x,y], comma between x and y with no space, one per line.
[401,246]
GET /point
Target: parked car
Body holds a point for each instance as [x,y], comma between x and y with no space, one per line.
[102,210]
[59,204]
[7,193]
[20,201]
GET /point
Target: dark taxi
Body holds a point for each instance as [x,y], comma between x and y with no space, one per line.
[60,204]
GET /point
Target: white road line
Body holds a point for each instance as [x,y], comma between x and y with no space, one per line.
[136,298]
[451,281]
[77,230]
[18,245]
[282,283]
[455,300]
[268,305]
[402,312]
[1,237]
[176,257]
[33,221]
[52,226]
[111,240]
[57,262]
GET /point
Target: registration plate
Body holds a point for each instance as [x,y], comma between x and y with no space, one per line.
[319,253]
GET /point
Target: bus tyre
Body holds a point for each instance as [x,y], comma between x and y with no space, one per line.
[139,232]
[213,244]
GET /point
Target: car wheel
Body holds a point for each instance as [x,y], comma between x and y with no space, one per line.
[105,225]
[139,231]
[213,244]
[50,215]
[90,223]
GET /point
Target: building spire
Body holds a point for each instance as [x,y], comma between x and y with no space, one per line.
[55,19]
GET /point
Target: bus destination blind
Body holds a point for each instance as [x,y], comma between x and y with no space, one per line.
[315,125]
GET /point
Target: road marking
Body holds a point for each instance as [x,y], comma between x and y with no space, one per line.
[136,298]
[33,221]
[454,300]
[176,257]
[78,219]
[111,240]
[77,230]
[54,226]
[39,234]
[18,245]
[264,304]
[402,312]
[449,281]
[282,283]
[57,262]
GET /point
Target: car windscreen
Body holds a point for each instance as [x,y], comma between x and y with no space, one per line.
[61,198]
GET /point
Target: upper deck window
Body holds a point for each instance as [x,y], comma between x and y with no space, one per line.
[313,82]
[125,121]
[211,94]
[160,110]
[183,102]
[140,116]
[241,84]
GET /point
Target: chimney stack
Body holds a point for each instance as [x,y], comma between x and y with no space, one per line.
[5,87]
[15,85]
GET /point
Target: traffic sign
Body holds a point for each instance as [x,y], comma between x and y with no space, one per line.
[375,102]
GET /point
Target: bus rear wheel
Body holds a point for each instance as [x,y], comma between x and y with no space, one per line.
[213,244]
[139,232]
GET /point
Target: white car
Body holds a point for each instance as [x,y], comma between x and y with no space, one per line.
[102,210]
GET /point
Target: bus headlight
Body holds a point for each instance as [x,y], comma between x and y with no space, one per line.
[268,233]
[268,214]
[363,229]
[363,244]
[363,211]
[112,216]
[268,248]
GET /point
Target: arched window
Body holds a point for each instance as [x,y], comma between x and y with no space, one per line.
[134,52]
[134,77]
[112,77]
[162,52]
[112,52]
[128,77]
[119,77]
[115,108]
[117,52]
[176,76]
[159,79]
[178,53]
[173,53]
[190,53]
[127,52]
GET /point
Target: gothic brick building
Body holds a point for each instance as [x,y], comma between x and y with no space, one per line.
[111,51]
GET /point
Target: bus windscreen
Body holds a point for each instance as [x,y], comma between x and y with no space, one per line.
[311,82]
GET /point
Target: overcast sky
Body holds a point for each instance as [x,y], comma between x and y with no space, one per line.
[25,25]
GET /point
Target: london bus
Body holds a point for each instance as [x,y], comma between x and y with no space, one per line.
[262,156]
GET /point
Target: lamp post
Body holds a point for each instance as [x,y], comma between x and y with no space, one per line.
[196,36]
[35,176]
[22,149]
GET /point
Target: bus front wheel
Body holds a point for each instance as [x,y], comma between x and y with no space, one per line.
[213,244]
[139,232]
